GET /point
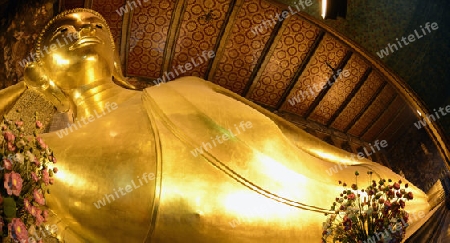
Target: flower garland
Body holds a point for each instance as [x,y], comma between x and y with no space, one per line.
[373,214]
[25,168]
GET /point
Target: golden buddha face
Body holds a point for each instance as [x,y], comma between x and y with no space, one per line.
[76,49]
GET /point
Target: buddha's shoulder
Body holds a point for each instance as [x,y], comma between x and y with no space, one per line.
[183,83]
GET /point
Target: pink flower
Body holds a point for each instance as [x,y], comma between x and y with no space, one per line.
[406,217]
[18,230]
[33,210]
[39,124]
[27,205]
[37,162]
[55,170]
[410,196]
[402,204]
[38,217]
[13,183]
[45,214]
[9,137]
[41,142]
[19,123]
[347,223]
[38,197]
[34,176]
[11,147]
[396,186]
[7,164]
[351,196]
[45,176]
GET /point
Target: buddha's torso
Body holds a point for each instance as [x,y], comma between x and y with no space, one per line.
[254,187]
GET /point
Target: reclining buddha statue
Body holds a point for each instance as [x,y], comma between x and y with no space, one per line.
[184,161]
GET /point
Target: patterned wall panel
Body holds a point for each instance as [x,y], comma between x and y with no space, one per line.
[69,4]
[340,90]
[356,105]
[244,46]
[149,27]
[417,157]
[374,111]
[315,76]
[403,119]
[290,52]
[111,12]
[18,39]
[200,27]
[385,119]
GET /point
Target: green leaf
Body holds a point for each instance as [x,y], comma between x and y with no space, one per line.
[9,207]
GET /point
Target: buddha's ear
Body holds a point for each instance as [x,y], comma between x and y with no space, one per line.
[118,74]
[34,77]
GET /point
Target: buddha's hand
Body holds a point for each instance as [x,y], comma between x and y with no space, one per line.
[34,77]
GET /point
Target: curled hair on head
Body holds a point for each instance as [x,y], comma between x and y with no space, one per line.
[60,16]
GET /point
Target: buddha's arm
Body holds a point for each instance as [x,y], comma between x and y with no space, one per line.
[9,96]
[298,137]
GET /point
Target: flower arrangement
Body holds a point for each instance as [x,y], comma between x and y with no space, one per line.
[25,172]
[375,214]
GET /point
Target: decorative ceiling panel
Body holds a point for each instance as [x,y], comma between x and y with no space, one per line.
[149,28]
[315,76]
[385,119]
[244,46]
[290,52]
[340,90]
[109,11]
[200,27]
[377,107]
[359,101]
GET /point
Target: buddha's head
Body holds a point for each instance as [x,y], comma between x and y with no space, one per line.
[75,50]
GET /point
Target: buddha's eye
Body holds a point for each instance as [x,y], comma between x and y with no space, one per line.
[65,30]
[99,26]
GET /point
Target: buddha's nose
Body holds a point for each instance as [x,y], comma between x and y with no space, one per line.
[88,30]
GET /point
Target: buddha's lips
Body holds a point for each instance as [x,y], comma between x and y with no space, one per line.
[84,41]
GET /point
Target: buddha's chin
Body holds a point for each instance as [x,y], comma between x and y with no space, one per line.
[84,71]
[83,61]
